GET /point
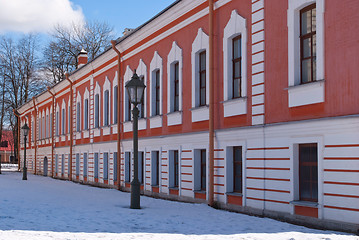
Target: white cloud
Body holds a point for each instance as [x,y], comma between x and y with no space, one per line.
[37,15]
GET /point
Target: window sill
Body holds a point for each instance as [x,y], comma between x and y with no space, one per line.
[234,107]
[305,94]
[86,133]
[96,132]
[156,121]
[234,194]
[106,130]
[127,126]
[200,113]
[174,118]
[142,123]
[304,203]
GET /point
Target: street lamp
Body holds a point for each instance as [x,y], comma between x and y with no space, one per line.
[25,131]
[135,88]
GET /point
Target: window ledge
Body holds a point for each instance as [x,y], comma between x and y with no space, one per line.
[234,194]
[174,118]
[127,126]
[305,203]
[200,113]
[96,132]
[106,130]
[305,94]
[156,121]
[235,106]
[142,123]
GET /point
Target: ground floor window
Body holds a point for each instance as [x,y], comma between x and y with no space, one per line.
[127,166]
[308,172]
[174,169]
[77,164]
[63,164]
[85,164]
[96,165]
[105,166]
[115,166]
[141,168]
[200,174]
[155,168]
[237,169]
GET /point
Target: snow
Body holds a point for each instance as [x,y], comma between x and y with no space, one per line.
[44,208]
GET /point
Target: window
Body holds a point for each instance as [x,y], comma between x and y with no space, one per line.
[77,164]
[78,115]
[106,108]
[68,164]
[39,127]
[86,114]
[308,172]
[141,106]
[115,166]
[105,166]
[237,169]
[96,165]
[141,168]
[63,164]
[127,166]
[308,44]
[306,69]
[63,121]
[57,123]
[85,164]
[69,119]
[51,123]
[115,103]
[128,107]
[97,110]
[47,126]
[202,78]
[174,169]
[203,170]
[155,168]
[157,88]
[236,67]
[176,87]
[56,164]
[43,127]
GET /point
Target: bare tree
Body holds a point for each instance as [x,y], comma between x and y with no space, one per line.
[20,77]
[60,54]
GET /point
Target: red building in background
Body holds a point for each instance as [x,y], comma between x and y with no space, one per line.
[7,147]
[253,110]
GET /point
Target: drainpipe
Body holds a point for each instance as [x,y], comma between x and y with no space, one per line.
[211,109]
[71,124]
[18,138]
[52,131]
[35,150]
[113,42]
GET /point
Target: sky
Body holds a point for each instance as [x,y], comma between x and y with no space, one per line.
[18,16]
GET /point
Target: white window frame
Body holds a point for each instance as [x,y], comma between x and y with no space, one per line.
[63,118]
[114,85]
[127,77]
[47,123]
[106,87]
[235,27]
[174,56]
[200,44]
[156,64]
[314,92]
[142,71]
[97,91]
[57,120]
[78,115]
[86,97]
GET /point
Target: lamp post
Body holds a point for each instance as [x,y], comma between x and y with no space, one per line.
[25,131]
[135,88]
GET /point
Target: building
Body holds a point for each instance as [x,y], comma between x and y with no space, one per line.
[7,147]
[277,136]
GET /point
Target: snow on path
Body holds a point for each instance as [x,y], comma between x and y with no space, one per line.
[44,208]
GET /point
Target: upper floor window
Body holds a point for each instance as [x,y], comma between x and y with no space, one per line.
[69,118]
[63,121]
[106,108]
[157,87]
[141,106]
[176,84]
[308,44]
[128,107]
[236,67]
[115,104]
[202,78]
[57,123]
[97,110]
[86,114]
[78,117]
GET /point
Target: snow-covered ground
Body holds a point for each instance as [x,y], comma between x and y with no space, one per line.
[44,208]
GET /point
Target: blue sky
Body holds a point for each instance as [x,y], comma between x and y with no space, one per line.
[122,13]
[18,16]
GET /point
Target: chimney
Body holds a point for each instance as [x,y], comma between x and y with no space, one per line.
[82,58]
[127,31]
